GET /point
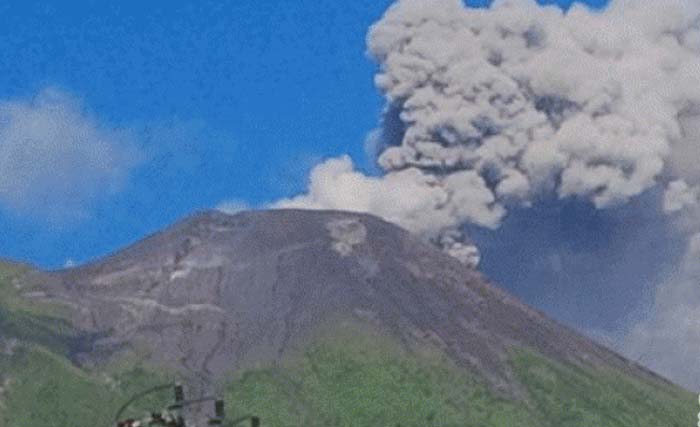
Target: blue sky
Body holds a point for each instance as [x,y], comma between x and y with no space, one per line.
[224,101]
[166,108]
[245,97]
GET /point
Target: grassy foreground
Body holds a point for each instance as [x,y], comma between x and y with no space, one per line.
[362,381]
[44,390]
[39,386]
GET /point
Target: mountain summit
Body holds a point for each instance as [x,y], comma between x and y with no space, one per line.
[217,296]
[220,292]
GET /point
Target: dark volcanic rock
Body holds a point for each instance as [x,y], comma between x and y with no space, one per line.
[218,292]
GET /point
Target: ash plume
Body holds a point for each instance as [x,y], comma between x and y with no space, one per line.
[498,107]
[591,105]
[488,110]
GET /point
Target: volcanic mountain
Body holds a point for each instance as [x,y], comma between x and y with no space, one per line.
[217,298]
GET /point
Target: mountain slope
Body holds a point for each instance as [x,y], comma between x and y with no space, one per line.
[39,383]
[253,304]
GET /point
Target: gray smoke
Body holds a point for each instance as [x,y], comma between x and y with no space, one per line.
[491,109]
[535,101]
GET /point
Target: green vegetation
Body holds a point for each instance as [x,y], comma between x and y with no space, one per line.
[39,387]
[363,381]
[12,275]
[30,321]
[568,396]
[45,390]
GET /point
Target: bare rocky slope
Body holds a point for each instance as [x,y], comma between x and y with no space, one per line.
[216,293]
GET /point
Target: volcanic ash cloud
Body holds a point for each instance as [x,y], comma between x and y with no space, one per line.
[490,109]
[493,108]
[586,104]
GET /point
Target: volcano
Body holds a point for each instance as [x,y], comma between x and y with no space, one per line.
[322,317]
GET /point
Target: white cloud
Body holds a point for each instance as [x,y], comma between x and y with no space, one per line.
[410,198]
[669,338]
[684,157]
[55,159]
[679,196]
